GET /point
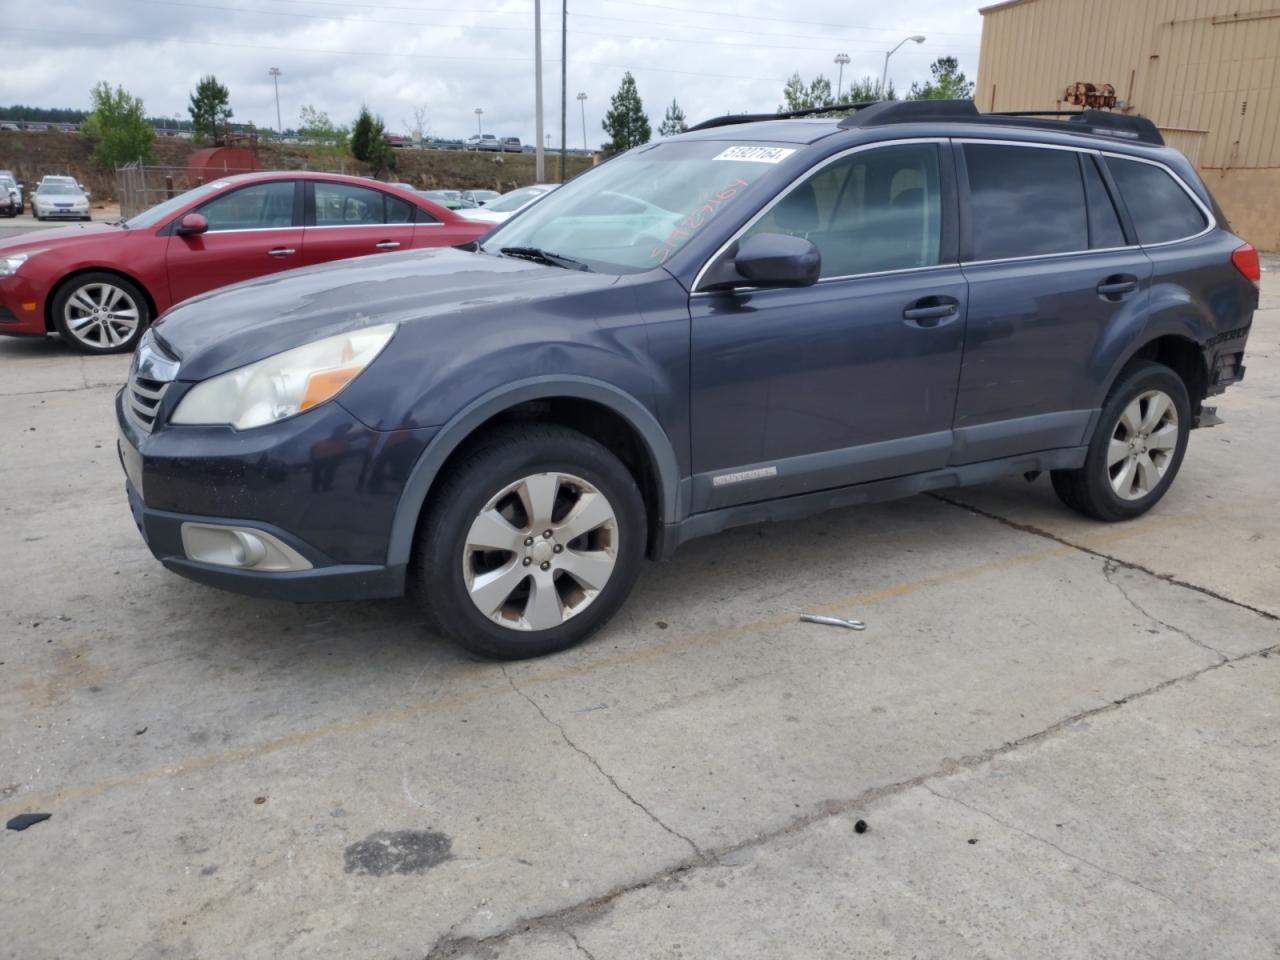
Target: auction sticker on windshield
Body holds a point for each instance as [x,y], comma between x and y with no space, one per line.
[756,154]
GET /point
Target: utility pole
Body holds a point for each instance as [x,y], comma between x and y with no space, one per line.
[840,61]
[479,128]
[275,78]
[540,173]
[564,80]
[582,101]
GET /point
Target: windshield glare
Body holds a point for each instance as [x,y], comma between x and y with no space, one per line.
[59,188]
[514,200]
[632,213]
[153,215]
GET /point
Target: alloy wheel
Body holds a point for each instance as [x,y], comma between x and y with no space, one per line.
[540,551]
[1143,443]
[101,315]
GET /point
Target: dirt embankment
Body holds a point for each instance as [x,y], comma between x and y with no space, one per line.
[33,153]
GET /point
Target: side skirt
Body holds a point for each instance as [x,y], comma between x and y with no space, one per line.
[794,508]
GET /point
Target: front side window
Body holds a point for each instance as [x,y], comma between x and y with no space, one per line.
[1160,208]
[873,211]
[263,206]
[1025,201]
[635,212]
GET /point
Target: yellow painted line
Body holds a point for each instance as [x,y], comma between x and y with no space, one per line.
[54,798]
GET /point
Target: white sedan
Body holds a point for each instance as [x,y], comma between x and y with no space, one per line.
[56,198]
[496,211]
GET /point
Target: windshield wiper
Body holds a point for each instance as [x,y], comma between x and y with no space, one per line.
[543,256]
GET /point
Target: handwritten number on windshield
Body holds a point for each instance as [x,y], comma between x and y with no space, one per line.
[693,221]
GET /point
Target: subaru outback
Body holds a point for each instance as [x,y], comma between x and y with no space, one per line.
[758,319]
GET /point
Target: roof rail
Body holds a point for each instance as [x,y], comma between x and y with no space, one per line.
[1100,123]
[733,118]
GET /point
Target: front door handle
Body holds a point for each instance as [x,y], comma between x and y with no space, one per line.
[281,252]
[929,312]
[388,245]
[1117,286]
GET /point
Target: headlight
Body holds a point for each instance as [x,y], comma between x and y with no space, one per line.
[283,385]
[9,265]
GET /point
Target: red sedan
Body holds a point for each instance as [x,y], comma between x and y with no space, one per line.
[100,285]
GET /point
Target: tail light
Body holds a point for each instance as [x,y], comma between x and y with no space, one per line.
[1246,261]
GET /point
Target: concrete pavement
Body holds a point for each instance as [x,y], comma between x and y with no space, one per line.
[1096,707]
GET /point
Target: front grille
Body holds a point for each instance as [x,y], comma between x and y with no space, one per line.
[144,400]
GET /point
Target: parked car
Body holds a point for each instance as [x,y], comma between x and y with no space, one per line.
[55,199]
[13,190]
[8,125]
[478,198]
[758,319]
[483,141]
[99,286]
[8,207]
[11,182]
[511,145]
[502,208]
[449,199]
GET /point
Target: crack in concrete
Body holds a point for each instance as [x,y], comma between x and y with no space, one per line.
[1109,568]
[578,943]
[1127,564]
[599,769]
[561,920]
[1049,843]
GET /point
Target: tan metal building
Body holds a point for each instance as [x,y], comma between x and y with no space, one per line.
[1206,71]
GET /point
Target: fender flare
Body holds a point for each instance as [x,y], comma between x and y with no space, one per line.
[464,423]
[1181,325]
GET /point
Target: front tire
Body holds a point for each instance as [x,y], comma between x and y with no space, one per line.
[531,542]
[1136,449]
[100,312]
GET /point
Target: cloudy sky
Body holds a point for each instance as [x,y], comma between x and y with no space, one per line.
[715,57]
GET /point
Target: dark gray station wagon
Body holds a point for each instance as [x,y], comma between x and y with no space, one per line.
[756,320]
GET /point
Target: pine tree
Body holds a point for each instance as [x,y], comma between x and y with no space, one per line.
[948,83]
[362,135]
[381,155]
[797,96]
[210,109]
[673,122]
[626,122]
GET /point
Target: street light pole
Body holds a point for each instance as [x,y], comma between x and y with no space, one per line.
[840,60]
[539,153]
[884,76]
[479,129]
[275,78]
[582,102]
[564,81]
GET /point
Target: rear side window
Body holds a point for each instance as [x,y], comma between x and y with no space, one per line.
[1025,201]
[346,205]
[873,211]
[1160,208]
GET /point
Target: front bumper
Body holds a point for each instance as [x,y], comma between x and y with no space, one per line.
[321,483]
[21,307]
[54,214]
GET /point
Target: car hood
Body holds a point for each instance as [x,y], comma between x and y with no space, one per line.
[81,233]
[240,324]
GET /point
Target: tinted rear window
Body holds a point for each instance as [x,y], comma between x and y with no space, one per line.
[1025,201]
[1160,208]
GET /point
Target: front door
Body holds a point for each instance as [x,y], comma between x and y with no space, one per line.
[253,231]
[854,378]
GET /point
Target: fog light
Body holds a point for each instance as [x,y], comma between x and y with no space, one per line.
[242,547]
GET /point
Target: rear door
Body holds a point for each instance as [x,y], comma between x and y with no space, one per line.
[346,220]
[1051,275]
[253,230]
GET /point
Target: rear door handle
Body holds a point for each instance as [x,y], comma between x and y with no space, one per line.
[281,252]
[931,312]
[388,244]
[1115,287]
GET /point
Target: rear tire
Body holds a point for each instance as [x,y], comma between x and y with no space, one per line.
[1137,448]
[530,543]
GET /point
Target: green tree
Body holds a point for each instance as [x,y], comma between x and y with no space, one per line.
[210,109]
[797,96]
[948,83]
[119,125]
[866,90]
[673,122]
[330,137]
[362,134]
[626,122]
[381,155]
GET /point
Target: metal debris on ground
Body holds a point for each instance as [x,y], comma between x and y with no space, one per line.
[860,827]
[833,621]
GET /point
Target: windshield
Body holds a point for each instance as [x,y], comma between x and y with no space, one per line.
[515,199]
[632,213]
[59,188]
[153,215]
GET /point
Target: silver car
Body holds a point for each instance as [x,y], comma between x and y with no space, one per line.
[510,203]
[56,199]
[9,181]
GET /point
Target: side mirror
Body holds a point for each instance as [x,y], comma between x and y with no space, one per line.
[192,224]
[768,260]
